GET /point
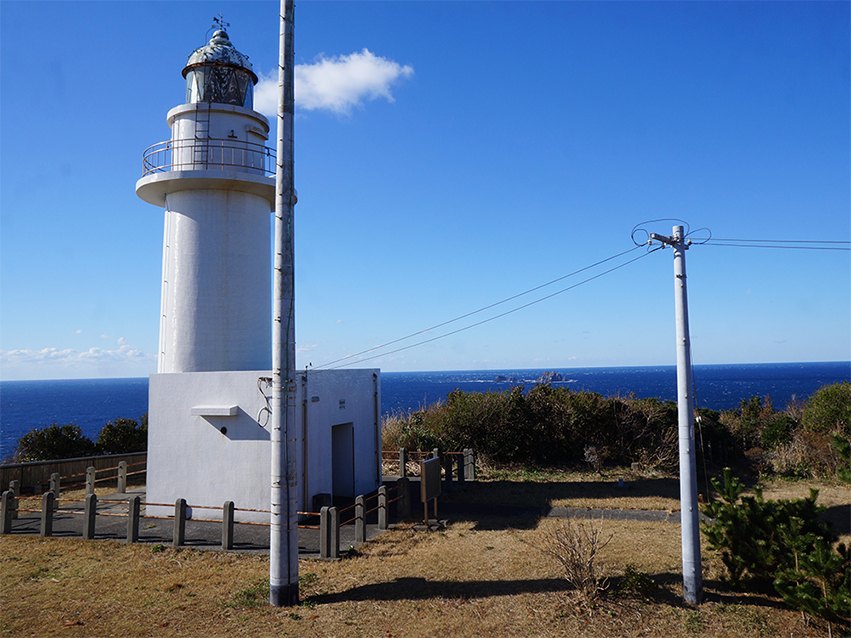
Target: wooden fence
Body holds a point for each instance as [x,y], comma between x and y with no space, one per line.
[34,477]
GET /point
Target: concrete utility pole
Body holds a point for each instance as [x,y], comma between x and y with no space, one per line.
[689,513]
[283,551]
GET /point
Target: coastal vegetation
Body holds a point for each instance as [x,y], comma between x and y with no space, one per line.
[53,442]
[551,425]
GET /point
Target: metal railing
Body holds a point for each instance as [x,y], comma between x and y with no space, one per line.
[208,154]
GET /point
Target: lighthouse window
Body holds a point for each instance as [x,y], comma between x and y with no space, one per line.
[222,85]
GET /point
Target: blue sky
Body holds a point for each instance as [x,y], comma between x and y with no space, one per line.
[448,155]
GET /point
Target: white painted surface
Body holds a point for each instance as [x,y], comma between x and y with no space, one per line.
[217,282]
[190,457]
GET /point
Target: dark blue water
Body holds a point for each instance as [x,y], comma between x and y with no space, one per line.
[90,403]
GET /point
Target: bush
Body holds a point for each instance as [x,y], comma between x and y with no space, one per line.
[829,410]
[123,436]
[781,544]
[53,442]
[575,546]
[547,425]
[555,426]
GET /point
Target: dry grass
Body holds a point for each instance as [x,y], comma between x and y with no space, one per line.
[477,578]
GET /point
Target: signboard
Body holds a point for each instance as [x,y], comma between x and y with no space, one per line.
[429,485]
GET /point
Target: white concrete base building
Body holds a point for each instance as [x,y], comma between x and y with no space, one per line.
[207,442]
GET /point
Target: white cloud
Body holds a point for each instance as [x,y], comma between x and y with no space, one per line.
[53,363]
[335,84]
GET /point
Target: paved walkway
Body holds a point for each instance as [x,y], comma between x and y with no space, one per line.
[112,522]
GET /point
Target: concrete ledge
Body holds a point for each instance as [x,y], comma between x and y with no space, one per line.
[155,187]
[214,410]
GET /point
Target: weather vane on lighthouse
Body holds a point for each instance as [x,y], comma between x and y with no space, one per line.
[220,22]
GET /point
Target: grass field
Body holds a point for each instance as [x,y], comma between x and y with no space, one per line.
[483,577]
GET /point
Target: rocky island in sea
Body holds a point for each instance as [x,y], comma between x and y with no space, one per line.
[549,377]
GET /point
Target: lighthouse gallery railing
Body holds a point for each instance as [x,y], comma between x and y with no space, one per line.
[208,154]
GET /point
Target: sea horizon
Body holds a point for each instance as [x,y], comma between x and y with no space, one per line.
[92,402]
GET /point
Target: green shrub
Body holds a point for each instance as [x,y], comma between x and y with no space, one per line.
[53,442]
[819,583]
[552,425]
[547,425]
[123,436]
[782,544]
[829,410]
[754,535]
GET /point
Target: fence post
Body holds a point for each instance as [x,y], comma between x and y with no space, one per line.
[15,488]
[403,505]
[227,525]
[90,480]
[122,477]
[179,522]
[134,505]
[459,458]
[55,480]
[435,453]
[90,516]
[333,532]
[47,514]
[447,473]
[360,521]
[382,508]
[470,464]
[403,462]
[324,533]
[8,510]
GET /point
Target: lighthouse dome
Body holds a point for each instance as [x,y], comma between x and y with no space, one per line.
[217,72]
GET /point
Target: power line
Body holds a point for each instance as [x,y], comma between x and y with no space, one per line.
[483,321]
[475,312]
[790,241]
[786,244]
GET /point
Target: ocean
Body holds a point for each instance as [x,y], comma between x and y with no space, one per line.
[91,403]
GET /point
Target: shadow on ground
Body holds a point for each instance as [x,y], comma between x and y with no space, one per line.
[541,495]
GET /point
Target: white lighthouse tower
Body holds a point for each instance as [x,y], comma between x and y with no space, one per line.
[215,179]
[210,402]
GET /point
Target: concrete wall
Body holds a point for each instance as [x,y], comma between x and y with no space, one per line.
[217,282]
[197,453]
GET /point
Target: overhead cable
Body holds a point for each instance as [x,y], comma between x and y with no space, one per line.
[483,321]
[475,312]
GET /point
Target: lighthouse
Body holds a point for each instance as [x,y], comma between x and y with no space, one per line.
[210,402]
[215,180]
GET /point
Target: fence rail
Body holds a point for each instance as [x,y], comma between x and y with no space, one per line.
[404,462]
[329,519]
[36,475]
[208,154]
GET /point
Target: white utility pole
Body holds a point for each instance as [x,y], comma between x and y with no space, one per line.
[689,513]
[283,550]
